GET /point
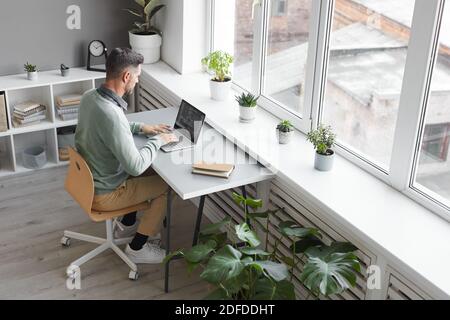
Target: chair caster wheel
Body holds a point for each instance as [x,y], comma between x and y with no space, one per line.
[133,275]
[65,241]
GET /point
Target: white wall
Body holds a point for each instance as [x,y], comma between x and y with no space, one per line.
[183,24]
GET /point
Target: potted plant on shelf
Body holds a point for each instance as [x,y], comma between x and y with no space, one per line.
[31,70]
[145,38]
[247,106]
[285,130]
[219,62]
[323,140]
[241,267]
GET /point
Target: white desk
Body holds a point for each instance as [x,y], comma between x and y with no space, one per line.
[175,167]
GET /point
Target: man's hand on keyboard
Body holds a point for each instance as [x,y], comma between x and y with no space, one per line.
[168,138]
[156,129]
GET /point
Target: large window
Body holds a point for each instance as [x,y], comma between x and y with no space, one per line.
[367,56]
[368,68]
[432,175]
[286,54]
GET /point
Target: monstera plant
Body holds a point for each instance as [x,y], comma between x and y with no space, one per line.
[238,267]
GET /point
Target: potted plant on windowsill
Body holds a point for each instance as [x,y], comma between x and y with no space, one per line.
[31,70]
[219,62]
[145,38]
[285,130]
[323,140]
[247,107]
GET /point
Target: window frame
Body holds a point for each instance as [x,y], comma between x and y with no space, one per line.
[422,52]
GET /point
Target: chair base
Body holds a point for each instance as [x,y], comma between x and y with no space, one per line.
[105,244]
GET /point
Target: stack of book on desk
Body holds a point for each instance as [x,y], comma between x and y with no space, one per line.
[221,170]
[28,113]
[67,106]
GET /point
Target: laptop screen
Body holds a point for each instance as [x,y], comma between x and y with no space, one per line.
[191,120]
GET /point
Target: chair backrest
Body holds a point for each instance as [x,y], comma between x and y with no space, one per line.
[79,182]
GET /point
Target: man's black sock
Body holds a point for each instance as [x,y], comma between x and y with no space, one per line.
[129,219]
[138,241]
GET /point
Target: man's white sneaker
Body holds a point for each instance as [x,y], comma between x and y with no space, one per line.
[149,253]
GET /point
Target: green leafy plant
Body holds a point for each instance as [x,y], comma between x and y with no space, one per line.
[29,67]
[285,126]
[323,139]
[247,100]
[219,62]
[147,10]
[241,269]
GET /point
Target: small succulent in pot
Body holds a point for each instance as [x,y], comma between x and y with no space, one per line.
[323,140]
[31,70]
[247,106]
[220,63]
[285,130]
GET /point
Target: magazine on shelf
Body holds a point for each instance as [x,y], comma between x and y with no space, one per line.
[26,106]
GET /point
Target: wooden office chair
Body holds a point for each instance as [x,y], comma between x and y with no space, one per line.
[80,185]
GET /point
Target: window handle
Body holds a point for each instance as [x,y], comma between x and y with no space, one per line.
[254,4]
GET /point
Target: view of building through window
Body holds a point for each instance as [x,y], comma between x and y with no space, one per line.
[433,171]
[368,48]
[367,57]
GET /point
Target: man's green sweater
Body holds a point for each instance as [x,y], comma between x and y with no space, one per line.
[104,138]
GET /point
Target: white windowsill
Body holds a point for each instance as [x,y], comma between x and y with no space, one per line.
[386,221]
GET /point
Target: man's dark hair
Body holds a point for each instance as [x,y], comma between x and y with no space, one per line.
[121,58]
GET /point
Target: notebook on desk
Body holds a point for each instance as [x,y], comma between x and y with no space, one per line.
[221,170]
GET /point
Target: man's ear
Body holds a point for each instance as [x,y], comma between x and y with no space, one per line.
[126,76]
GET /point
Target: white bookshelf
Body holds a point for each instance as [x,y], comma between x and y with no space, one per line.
[50,84]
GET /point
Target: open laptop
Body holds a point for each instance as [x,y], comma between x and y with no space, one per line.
[187,127]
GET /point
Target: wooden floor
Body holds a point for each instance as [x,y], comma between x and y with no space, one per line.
[34,211]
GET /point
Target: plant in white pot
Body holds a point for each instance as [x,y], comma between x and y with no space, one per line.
[247,107]
[285,130]
[219,62]
[31,70]
[145,38]
[323,140]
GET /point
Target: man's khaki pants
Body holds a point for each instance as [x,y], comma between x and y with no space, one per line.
[147,187]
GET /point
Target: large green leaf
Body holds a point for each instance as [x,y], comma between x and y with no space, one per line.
[254,251]
[253,203]
[215,227]
[224,265]
[269,290]
[335,247]
[244,233]
[199,252]
[277,271]
[219,238]
[261,215]
[331,274]
[149,7]
[155,10]
[292,229]
[303,245]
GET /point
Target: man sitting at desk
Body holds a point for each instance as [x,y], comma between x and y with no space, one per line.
[104,138]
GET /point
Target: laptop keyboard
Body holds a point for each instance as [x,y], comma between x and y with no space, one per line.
[182,142]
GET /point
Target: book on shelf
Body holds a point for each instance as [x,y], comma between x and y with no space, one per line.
[68,116]
[30,116]
[27,106]
[3,116]
[30,112]
[222,170]
[30,119]
[67,110]
[68,100]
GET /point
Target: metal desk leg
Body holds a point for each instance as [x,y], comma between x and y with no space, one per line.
[199,220]
[168,213]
